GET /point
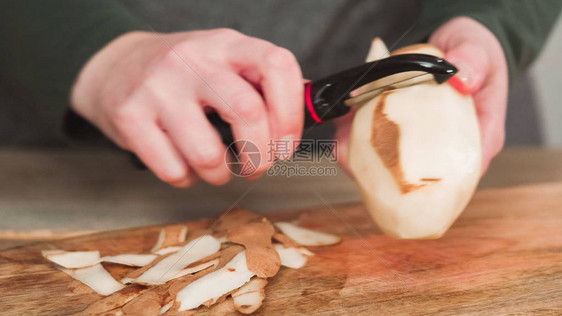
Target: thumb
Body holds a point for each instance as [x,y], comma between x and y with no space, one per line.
[473,65]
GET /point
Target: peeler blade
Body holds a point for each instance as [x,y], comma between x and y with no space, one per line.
[357,96]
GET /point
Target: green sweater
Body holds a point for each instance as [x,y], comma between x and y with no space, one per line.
[44,43]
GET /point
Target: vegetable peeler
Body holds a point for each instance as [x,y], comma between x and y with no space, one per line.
[325,99]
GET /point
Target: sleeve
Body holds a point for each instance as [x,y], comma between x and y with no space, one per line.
[521,27]
[44,45]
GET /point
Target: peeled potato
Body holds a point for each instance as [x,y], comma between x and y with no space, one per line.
[415,153]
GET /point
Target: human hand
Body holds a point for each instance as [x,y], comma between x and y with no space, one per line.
[149,94]
[478,55]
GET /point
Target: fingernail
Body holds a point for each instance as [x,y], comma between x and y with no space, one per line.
[466,73]
[182,183]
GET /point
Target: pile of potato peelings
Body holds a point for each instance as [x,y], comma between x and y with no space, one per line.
[226,265]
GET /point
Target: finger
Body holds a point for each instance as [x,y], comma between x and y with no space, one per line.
[482,73]
[491,109]
[239,104]
[197,141]
[185,123]
[143,137]
[475,77]
[277,72]
[473,65]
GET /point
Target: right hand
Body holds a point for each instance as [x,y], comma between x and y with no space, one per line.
[141,93]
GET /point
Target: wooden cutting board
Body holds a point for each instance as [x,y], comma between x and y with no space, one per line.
[503,255]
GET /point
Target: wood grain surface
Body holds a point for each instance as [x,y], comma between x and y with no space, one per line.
[502,256]
[100,190]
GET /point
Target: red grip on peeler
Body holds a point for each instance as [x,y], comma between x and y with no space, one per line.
[309,105]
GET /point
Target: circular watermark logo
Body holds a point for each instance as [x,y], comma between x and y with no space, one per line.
[238,167]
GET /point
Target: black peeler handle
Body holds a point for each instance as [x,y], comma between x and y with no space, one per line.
[324,98]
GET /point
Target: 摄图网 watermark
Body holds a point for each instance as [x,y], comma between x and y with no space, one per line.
[292,157]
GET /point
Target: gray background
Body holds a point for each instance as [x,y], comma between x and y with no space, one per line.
[325,38]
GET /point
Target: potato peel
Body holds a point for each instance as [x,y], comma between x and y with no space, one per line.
[224,269]
[285,240]
[227,254]
[130,277]
[133,260]
[97,278]
[165,269]
[197,268]
[307,237]
[166,307]
[170,236]
[225,307]
[72,259]
[209,288]
[167,250]
[236,217]
[250,296]
[291,257]
[262,259]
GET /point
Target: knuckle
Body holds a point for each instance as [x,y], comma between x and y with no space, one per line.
[224,35]
[246,106]
[154,91]
[172,59]
[226,32]
[280,57]
[124,118]
[213,76]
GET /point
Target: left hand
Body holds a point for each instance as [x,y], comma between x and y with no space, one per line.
[482,73]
